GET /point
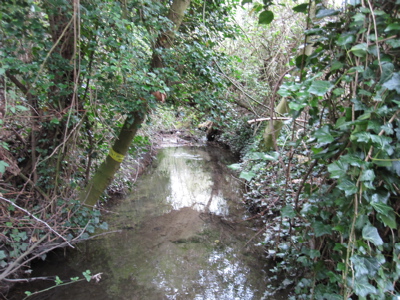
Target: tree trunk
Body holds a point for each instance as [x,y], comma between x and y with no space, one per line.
[274,127]
[105,174]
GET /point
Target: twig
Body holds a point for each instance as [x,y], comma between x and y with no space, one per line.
[45,196]
[274,118]
[239,88]
[296,199]
[380,134]
[37,219]
[254,236]
[13,266]
[28,279]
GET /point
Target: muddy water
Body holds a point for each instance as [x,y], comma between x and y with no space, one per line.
[181,235]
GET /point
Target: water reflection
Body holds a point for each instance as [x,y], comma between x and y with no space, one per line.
[190,181]
[182,237]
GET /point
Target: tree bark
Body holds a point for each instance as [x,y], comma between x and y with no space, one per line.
[274,127]
[105,174]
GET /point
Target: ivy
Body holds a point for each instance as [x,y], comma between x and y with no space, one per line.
[343,230]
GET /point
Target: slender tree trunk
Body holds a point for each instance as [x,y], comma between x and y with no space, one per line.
[274,127]
[105,174]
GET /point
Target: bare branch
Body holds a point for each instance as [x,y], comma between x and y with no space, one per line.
[37,219]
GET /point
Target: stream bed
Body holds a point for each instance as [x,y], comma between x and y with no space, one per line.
[181,234]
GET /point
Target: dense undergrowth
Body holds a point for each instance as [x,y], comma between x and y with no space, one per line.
[329,190]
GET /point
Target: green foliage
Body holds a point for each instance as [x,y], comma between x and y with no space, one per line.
[71,79]
[75,220]
[336,223]
[58,282]
[87,275]
[266,17]
[3,166]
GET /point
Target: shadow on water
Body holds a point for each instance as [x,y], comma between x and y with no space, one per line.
[181,236]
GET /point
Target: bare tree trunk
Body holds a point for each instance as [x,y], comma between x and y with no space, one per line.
[273,128]
[105,174]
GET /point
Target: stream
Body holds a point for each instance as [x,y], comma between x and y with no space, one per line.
[181,234]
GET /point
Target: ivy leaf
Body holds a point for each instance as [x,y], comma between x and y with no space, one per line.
[345,39]
[389,219]
[387,71]
[322,13]
[380,197]
[360,50]
[320,88]
[381,207]
[336,65]
[301,8]
[104,226]
[255,156]
[3,166]
[370,233]
[273,156]
[297,106]
[367,175]
[385,213]
[321,229]
[395,43]
[372,265]
[288,212]
[393,83]
[352,160]
[396,167]
[323,135]
[396,260]
[21,108]
[369,73]
[333,296]
[348,186]
[393,27]
[359,265]
[235,166]
[266,17]
[337,169]
[247,175]
[362,287]
[363,137]
[383,142]
[359,17]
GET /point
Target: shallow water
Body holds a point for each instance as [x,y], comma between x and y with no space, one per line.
[181,236]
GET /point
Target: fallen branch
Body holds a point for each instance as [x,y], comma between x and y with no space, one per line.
[29,279]
[274,118]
